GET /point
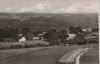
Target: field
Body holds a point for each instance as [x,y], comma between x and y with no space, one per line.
[33,43]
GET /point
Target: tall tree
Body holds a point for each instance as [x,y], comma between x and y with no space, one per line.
[72,29]
[78,29]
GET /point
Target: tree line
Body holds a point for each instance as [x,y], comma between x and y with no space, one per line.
[51,35]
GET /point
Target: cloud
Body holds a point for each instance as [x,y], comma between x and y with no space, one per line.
[39,7]
[78,8]
[50,6]
[8,9]
[74,8]
[24,9]
[91,8]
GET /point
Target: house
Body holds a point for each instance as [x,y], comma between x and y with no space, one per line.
[36,38]
[19,35]
[71,36]
[84,30]
[22,39]
[89,29]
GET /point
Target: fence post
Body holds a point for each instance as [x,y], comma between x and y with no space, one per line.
[89,45]
[83,50]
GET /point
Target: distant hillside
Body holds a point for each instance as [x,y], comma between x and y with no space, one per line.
[45,21]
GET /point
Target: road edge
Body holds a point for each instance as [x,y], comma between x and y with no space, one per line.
[72,57]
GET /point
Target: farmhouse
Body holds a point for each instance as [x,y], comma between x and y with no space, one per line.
[22,39]
[71,36]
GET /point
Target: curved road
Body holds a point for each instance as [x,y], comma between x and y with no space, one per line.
[43,56]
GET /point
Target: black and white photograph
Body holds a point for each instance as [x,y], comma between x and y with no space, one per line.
[49,32]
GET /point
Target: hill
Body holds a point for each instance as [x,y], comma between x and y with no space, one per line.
[45,21]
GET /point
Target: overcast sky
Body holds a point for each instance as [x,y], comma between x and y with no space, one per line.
[50,6]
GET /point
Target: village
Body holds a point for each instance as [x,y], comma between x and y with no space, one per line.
[49,32]
[26,38]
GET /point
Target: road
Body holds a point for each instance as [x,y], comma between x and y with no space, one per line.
[43,56]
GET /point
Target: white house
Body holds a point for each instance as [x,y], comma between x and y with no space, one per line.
[22,39]
[84,30]
[71,36]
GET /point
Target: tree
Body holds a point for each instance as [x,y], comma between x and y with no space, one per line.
[52,36]
[78,29]
[95,29]
[9,34]
[53,30]
[37,32]
[47,35]
[25,30]
[72,30]
[1,29]
[63,35]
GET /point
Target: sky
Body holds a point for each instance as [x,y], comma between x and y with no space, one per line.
[50,6]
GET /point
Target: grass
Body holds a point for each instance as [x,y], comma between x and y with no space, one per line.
[92,56]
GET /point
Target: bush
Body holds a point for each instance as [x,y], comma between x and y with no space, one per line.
[3,48]
[77,41]
[92,41]
[15,46]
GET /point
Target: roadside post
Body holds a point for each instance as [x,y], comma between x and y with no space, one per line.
[83,50]
[89,45]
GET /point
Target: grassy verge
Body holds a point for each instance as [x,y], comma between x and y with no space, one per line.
[91,57]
